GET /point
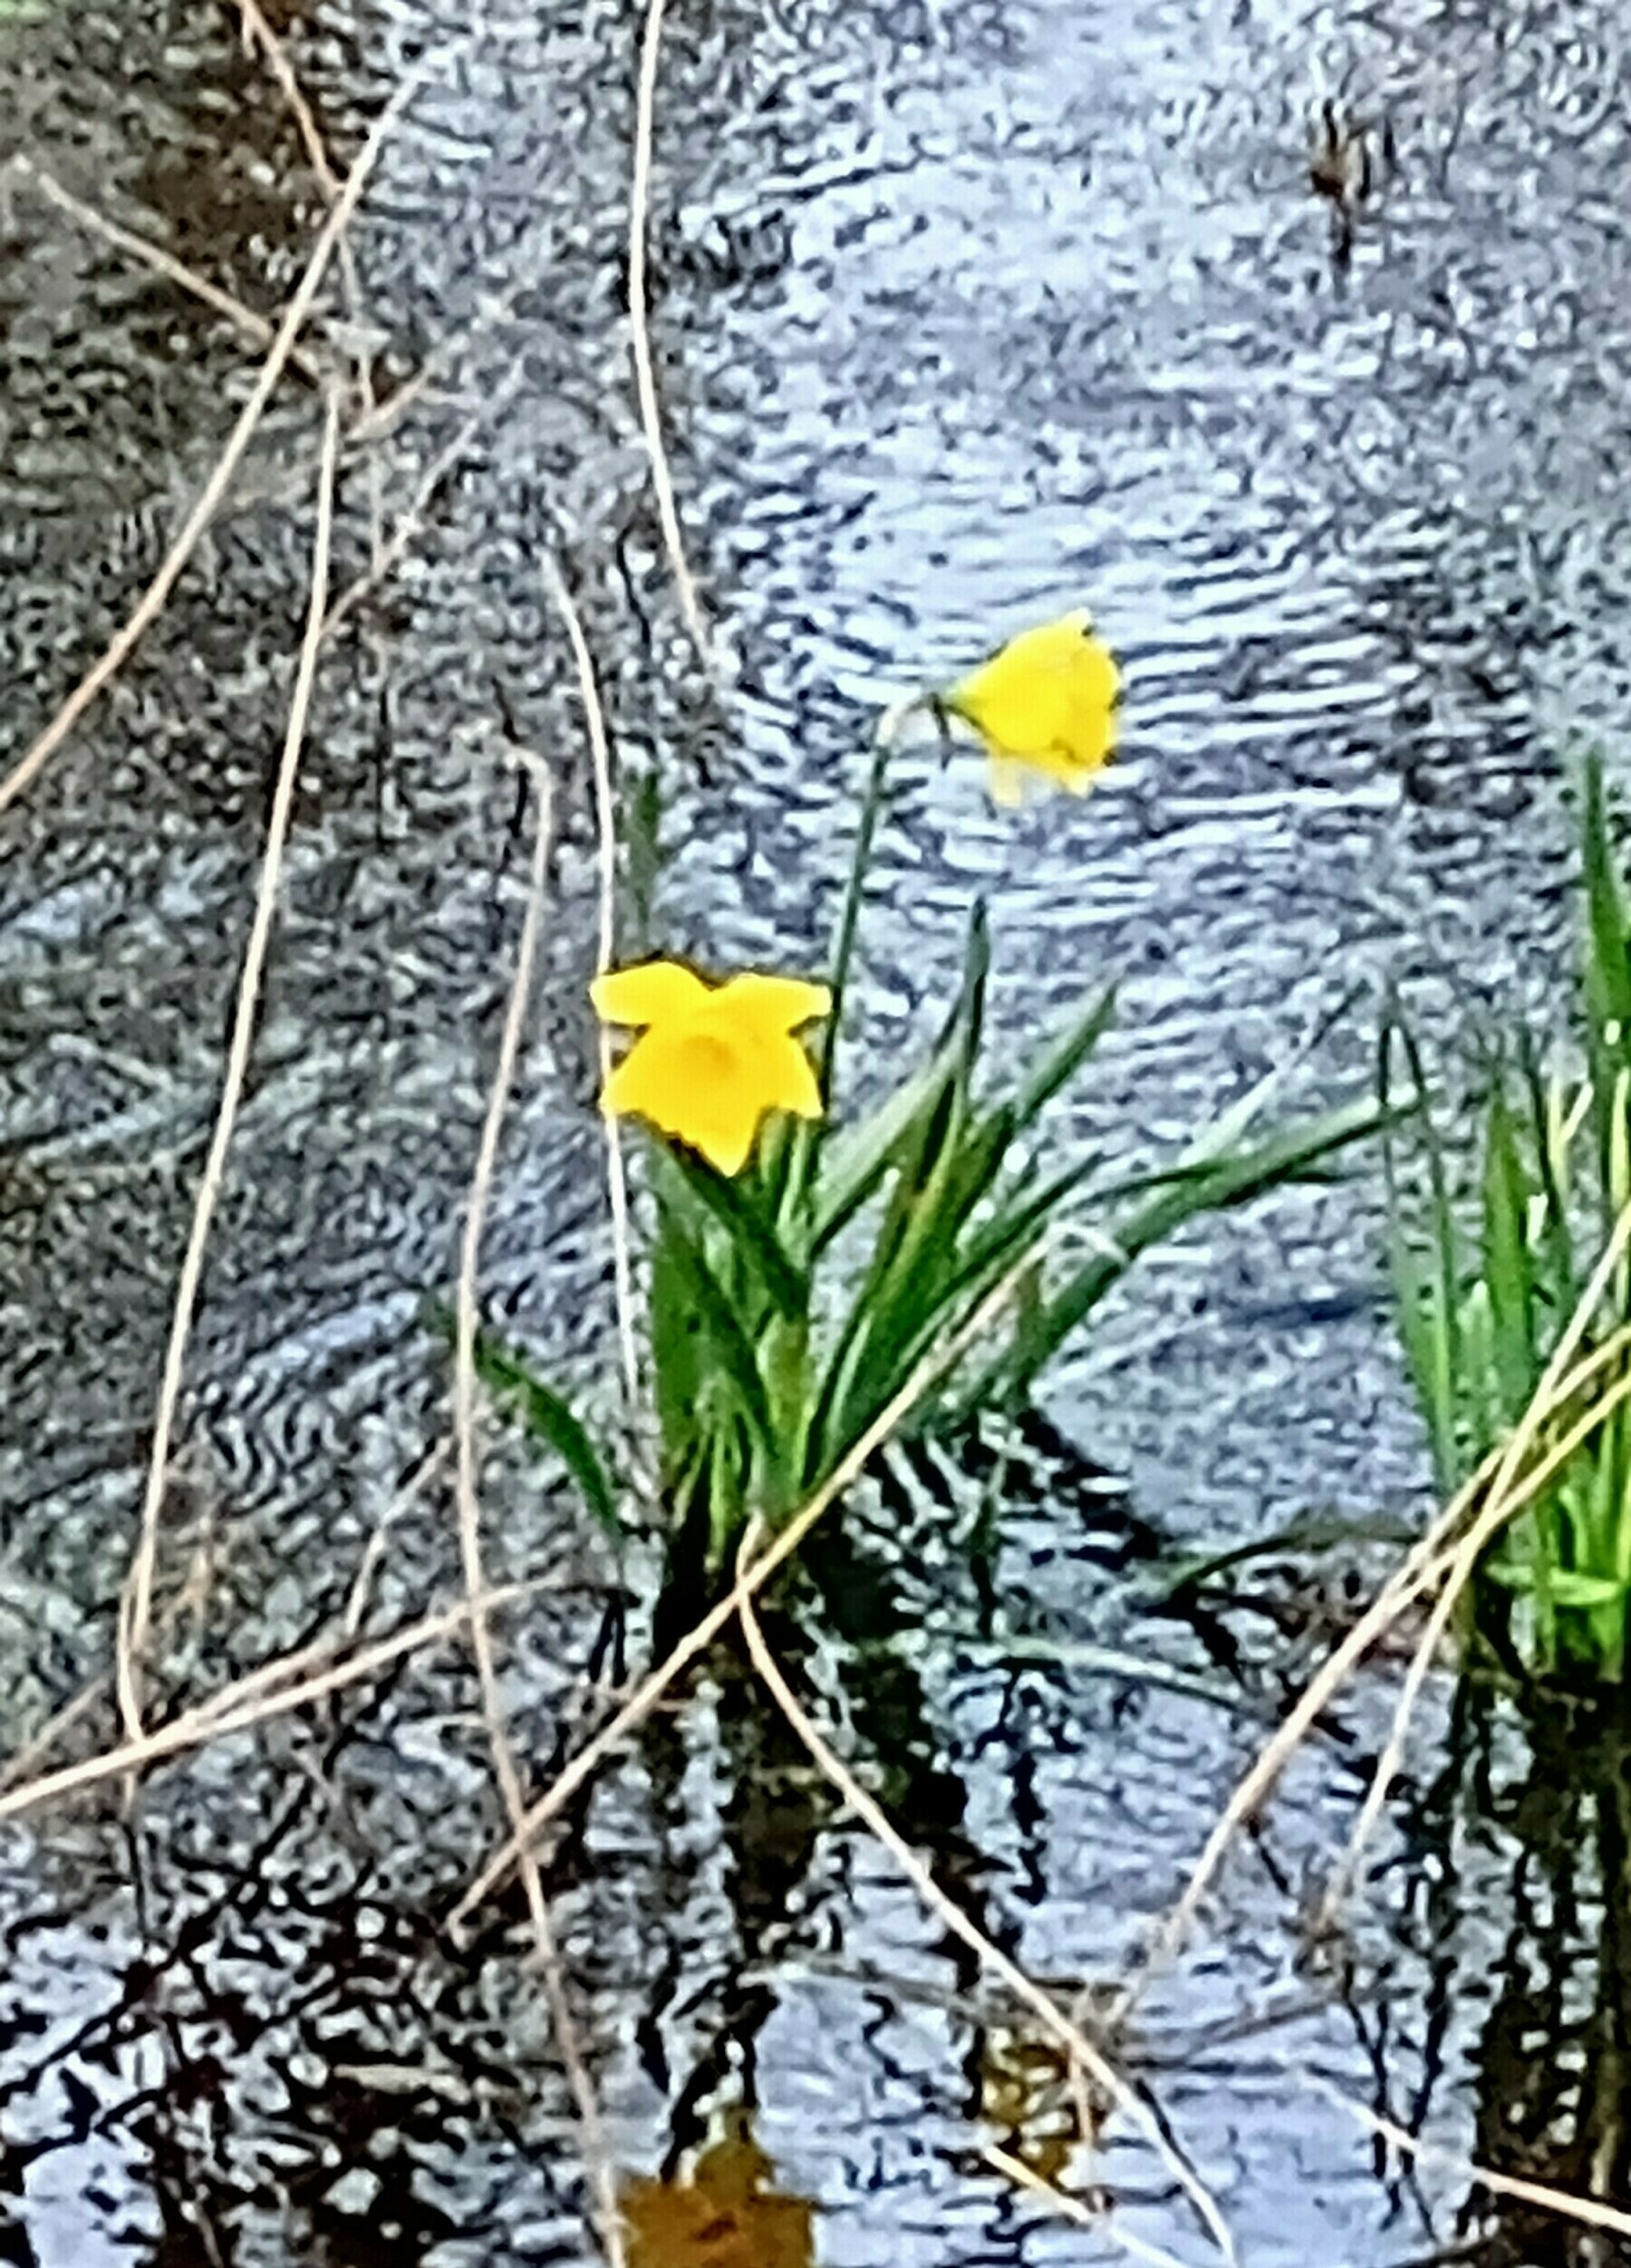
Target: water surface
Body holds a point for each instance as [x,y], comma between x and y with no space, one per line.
[963,314]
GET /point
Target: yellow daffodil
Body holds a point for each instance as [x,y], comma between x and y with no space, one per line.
[1046,704]
[710,1060]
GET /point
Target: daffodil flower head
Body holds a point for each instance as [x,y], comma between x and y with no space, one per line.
[710,1059]
[1044,705]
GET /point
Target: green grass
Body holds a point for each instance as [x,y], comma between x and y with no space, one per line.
[1486,1279]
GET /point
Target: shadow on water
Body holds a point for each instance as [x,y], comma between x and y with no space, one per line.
[778,1806]
[262,1996]
[1550,2069]
[1544,1790]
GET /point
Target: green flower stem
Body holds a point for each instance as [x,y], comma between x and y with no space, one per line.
[884,741]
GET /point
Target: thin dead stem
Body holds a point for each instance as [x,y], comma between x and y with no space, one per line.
[440,358]
[1562,2201]
[1454,1569]
[137,1606]
[952,1917]
[258,31]
[1024,2177]
[470,1534]
[617,1191]
[645,377]
[927,1375]
[150,605]
[1428,1560]
[246,1702]
[18,1766]
[390,550]
[428,1470]
[525,255]
[254,327]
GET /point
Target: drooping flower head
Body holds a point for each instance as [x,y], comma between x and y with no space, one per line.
[1044,704]
[710,1060]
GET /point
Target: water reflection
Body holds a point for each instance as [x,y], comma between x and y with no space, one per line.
[724,2211]
[1023,2094]
[983,306]
[1553,2059]
[775,1808]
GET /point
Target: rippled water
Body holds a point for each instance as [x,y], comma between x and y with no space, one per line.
[963,312]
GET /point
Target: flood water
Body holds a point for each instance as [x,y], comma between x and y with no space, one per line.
[964,313]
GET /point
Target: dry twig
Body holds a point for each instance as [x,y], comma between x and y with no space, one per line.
[469,1536]
[427,1469]
[1027,2177]
[388,555]
[246,1702]
[1494,1515]
[137,1606]
[1426,1563]
[258,31]
[1536,2192]
[645,377]
[254,327]
[23,1761]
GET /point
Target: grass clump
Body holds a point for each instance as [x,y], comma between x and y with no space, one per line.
[1486,1282]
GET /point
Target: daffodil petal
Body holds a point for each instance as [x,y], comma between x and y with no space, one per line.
[716,1110]
[727,1144]
[1097,678]
[1046,700]
[656,992]
[1064,765]
[643,1084]
[775,1004]
[790,1079]
[712,1062]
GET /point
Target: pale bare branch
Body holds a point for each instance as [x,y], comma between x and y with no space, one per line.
[1540,2194]
[640,319]
[1054,2020]
[1428,1561]
[247,1702]
[151,603]
[136,1608]
[469,1536]
[254,327]
[925,1377]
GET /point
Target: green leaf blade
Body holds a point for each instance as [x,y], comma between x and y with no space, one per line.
[547,1417]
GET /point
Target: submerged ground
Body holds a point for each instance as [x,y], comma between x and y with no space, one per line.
[963,314]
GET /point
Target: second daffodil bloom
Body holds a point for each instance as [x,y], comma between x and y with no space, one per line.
[1044,704]
[710,1059]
